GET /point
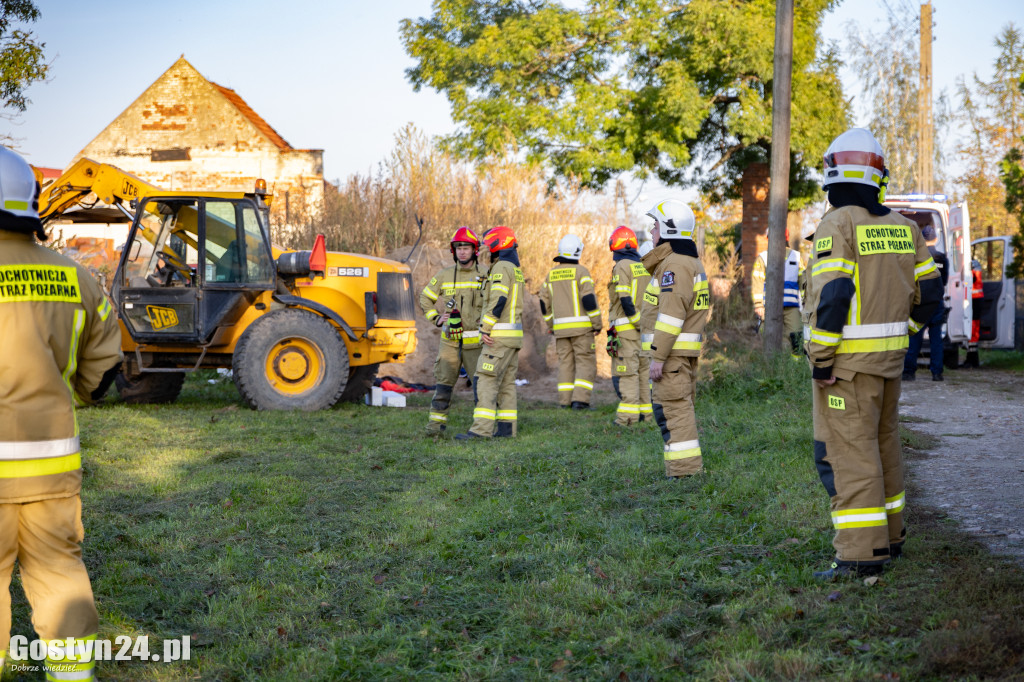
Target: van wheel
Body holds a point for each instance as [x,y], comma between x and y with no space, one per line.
[290,360]
[150,387]
[360,379]
[951,356]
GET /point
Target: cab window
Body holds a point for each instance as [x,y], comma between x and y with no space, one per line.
[990,256]
[235,250]
[164,251]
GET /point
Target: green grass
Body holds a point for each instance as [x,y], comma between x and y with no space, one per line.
[346,545]
[1009,360]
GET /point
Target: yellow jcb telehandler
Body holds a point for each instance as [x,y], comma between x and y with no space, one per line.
[199,285]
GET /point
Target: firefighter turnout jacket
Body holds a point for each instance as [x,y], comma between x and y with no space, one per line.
[628,283]
[683,303]
[60,337]
[464,286]
[866,291]
[567,300]
[502,317]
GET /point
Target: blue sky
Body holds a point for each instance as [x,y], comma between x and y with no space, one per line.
[325,75]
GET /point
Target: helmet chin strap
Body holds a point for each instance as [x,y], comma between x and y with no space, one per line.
[883,185]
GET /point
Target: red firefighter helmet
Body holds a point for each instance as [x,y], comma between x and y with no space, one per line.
[499,238]
[464,235]
[623,238]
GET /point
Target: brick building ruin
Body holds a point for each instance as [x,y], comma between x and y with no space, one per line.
[186,132]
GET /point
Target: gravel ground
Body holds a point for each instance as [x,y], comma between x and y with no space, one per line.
[975,473]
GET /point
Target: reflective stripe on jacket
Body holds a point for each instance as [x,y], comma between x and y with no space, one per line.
[683,303]
[629,280]
[60,337]
[504,326]
[865,275]
[648,313]
[562,297]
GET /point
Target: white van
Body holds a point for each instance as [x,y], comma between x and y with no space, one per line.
[953,230]
[1001,310]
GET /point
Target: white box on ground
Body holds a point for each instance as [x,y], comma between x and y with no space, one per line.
[375,397]
[394,399]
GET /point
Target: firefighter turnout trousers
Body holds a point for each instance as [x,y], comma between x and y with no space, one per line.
[446,374]
[632,383]
[44,537]
[495,384]
[674,397]
[857,454]
[577,368]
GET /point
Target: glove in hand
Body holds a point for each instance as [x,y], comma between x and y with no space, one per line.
[455,326]
[612,347]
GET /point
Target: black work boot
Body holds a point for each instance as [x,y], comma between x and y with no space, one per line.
[909,376]
[469,435]
[895,550]
[577,405]
[848,569]
[937,377]
[503,430]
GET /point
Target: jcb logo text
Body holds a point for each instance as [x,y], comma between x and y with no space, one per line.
[162,318]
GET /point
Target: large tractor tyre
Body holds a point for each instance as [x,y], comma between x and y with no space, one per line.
[290,360]
[360,380]
[150,387]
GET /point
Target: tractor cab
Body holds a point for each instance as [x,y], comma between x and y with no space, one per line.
[191,266]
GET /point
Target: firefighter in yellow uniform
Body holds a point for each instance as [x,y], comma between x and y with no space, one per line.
[61,349]
[648,318]
[452,300]
[501,329]
[625,289]
[683,303]
[570,310]
[871,282]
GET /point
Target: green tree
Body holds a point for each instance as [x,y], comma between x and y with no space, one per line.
[21,56]
[992,113]
[1012,174]
[678,90]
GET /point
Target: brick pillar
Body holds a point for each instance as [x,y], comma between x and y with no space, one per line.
[755,217]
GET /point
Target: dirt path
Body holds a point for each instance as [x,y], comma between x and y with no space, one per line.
[975,473]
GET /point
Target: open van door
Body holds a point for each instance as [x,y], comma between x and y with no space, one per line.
[1001,310]
[957,240]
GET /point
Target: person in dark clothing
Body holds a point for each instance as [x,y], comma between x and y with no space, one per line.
[934,325]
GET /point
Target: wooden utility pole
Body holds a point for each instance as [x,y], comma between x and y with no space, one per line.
[925,122]
[778,189]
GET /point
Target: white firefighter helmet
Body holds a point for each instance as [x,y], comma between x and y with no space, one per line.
[570,246]
[645,248]
[17,186]
[675,218]
[855,156]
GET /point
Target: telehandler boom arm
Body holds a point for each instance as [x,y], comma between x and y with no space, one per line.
[110,184]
